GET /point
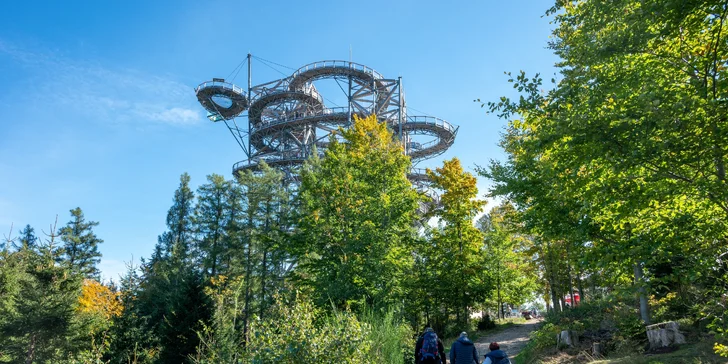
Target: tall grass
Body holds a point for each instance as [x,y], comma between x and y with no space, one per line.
[391,339]
[295,331]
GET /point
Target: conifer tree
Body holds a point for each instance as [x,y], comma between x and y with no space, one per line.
[27,238]
[264,221]
[171,298]
[81,251]
[179,218]
[39,319]
[211,214]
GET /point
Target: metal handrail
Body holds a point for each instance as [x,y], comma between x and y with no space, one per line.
[413,170]
[300,115]
[225,85]
[338,64]
[432,121]
[237,165]
[270,91]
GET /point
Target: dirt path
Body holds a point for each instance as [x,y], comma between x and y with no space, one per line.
[511,340]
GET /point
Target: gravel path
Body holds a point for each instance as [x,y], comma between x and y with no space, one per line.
[511,340]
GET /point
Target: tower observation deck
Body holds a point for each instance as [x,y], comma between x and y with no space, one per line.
[287,117]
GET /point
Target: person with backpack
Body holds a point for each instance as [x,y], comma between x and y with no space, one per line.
[463,351]
[496,355]
[429,348]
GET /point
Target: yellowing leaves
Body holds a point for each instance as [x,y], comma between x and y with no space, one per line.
[99,299]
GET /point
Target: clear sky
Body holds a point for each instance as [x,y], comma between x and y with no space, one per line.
[97,107]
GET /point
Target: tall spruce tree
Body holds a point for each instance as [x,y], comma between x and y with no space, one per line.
[27,238]
[179,219]
[171,298]
[39,305]
[211,218]
[80,245]
[263,223]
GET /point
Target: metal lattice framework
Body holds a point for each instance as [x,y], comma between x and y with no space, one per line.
[288,117]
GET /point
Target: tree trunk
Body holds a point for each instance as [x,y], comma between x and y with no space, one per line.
[263,277]
[500,301]
[463,306]
[568,273]
[580,286]
[554,298]
[552,279]
[264,271]
[248,269]
[639,281]
[31,350]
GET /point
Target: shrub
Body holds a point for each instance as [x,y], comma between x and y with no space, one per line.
[295,331]
[485,323]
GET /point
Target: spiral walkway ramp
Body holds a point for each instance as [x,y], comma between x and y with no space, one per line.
[222,99]
[288,117]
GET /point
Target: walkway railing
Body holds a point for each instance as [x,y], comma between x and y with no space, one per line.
[337,64]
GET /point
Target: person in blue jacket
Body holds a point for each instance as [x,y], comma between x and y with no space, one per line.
[463,351]
[496,355]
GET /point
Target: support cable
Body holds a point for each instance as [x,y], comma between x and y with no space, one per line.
[241,141]
[234,137]
[237,68]
[420,111]
[237,128]
[277,64]
[273,68]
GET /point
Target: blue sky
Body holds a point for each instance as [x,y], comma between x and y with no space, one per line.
[97,107]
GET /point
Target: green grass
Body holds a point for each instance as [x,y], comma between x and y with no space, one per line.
[693,353]
[698,353]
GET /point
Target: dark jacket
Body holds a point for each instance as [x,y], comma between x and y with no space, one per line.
[463,352]
[440,349]
[498,357]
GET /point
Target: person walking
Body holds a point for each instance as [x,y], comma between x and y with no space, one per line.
[463,351]
[429,348]
[496,355]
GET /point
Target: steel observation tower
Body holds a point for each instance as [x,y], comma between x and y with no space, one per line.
[287,117]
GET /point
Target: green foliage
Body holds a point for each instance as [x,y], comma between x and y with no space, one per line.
[170,302]
[27,238]
[291,334]
[295,330]
[545,337]
[223,340]
[486,323]
[81,251]
[211,218]
[616,324]
[619,169]
[392,340]
[452,257]
[265,228]
[356,211]
[38,310]
[507,258]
